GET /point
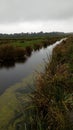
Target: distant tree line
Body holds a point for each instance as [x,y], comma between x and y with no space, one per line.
[30,35]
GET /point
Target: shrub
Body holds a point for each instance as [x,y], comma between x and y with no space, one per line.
[19,53]
[28,50]
[7,52]
[37,46]
[10,53]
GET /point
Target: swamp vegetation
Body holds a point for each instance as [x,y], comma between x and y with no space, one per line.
[19,46]
[45,103]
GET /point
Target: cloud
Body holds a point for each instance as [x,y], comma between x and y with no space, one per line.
[36,15]
[34,26]
[12,11]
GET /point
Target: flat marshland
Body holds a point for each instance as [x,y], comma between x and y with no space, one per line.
[45,102]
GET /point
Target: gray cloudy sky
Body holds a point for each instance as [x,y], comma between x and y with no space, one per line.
[36,15]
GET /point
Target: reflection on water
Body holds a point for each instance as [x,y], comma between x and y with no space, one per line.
[11,64]
[7,65]
[11,73]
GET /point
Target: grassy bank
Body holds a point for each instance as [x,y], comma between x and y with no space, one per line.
[53,97]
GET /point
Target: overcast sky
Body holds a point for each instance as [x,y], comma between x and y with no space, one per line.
[36,15]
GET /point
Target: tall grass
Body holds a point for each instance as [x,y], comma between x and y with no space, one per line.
[10,53]
[52,89]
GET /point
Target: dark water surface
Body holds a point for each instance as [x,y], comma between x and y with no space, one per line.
[15,73]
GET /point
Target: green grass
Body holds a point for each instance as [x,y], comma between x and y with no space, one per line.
[31,41]
[14,50]
[27,43]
